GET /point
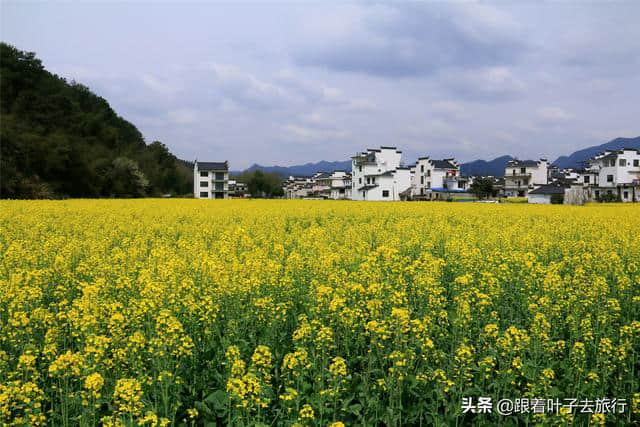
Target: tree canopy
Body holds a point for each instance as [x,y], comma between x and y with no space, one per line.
[59,139]
[262,184]
[483,188]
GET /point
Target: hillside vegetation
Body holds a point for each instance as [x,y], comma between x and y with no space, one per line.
[59,139]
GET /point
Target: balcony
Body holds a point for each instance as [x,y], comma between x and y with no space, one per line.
[518,175]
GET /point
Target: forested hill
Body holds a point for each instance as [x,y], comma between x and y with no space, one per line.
[58,139]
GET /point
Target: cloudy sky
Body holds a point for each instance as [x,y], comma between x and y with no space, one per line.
[293,82]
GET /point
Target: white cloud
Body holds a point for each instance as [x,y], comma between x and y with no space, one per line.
[183,116]
[306,133]
[554,116]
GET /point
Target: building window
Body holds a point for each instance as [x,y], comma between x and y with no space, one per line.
[219,196]
[428,184]
[219,176]
[219,186]
[622,162]
[368,180]
[597,194]
[421,168]
[373,180]
[609,178]
[385,193]
[204,183]
[460,184]
[359,168]
[360,180]
[523,170]
[422,191]
[204,194]
[429,172]
[422,180]
[586,179]
[626,194]
[204,173]
[613,162]
[636,163]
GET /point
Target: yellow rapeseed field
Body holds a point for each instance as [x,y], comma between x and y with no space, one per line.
[170,312]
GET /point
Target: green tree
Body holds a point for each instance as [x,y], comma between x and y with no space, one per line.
[483,188]
[127,180]
[262,184]
[59,139]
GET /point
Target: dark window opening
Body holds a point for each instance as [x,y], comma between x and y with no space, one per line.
[385,193]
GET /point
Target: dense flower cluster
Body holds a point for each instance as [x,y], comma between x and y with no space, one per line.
[187,312]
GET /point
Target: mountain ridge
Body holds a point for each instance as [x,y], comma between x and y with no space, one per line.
[576,159]
[482,167]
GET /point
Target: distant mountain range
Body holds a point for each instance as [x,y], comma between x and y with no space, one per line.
[493,167]
[302,170]
[577,159]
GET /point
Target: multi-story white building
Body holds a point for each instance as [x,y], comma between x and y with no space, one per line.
[614,173]
[237,189]
[335,185]
[211,180]
[378,174]
[298,187]
[326,185]
[520,176]
[433,179]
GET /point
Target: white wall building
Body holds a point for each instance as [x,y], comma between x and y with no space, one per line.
[338,184]
[378,174]
[521,176]
[433,179]
[615,173]
[298,187]
[544,194]
[211,180]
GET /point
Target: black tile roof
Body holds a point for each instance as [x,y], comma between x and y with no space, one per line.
[522,163]
[443,164]
[367,187]
[549,189]
[210,166]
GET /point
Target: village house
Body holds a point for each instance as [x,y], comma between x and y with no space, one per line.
[437,179]
[521,176]
[320,185]
[298,187]
[237,189]
[377,174]
[614,173]
[547,194]
[211,180]
[335,185]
